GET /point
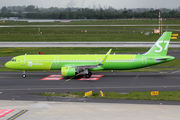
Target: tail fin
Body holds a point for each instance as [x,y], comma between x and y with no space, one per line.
[161,46]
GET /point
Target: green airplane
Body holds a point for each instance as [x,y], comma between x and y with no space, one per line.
[71,65]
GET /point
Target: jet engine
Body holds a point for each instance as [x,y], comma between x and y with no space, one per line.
[68,71]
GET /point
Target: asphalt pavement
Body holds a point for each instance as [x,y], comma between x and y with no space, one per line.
[13,86]
[84,44]
[19,94]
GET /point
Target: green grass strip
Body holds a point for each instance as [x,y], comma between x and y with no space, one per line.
[163,95]
[82,34]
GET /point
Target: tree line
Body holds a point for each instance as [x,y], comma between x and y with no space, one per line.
[33,12]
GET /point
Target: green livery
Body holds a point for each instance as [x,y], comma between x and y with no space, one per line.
[71,65]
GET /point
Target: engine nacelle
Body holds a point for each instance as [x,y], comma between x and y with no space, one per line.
[68,71]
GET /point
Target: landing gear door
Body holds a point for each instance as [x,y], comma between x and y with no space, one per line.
[144,60]
[22,60]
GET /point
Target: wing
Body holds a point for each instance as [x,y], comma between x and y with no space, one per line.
[83,67]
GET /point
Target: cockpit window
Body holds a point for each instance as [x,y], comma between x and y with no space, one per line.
[14,60]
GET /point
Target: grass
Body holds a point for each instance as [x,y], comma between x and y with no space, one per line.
[163,95]
[2,63]
[71,34]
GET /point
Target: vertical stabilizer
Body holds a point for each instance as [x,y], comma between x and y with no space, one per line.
[161,46]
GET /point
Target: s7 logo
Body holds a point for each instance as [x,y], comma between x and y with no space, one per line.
[160,47]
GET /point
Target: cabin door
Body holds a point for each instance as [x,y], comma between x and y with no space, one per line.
[56,59]
[22,60]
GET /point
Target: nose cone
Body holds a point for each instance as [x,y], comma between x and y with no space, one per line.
[7,65]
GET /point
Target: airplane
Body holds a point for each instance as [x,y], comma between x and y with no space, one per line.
[73,64]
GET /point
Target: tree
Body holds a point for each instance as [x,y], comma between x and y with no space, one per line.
[4,9]
[31,8]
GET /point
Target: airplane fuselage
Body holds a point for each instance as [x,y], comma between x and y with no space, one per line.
[113,62]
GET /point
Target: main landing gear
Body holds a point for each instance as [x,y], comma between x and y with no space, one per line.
[88,75]
[24,74]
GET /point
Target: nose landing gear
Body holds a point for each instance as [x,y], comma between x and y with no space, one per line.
[24,74]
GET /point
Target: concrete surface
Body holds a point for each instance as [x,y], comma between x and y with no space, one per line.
[38,110]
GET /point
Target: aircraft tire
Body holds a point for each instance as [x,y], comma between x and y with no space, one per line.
[24,75]
[88,75]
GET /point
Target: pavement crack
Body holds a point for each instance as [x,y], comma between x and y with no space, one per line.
[62,115]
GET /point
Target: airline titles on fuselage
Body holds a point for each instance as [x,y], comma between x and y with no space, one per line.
[31,64]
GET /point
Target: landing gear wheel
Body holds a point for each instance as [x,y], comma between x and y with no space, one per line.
[24,75]
[88,75]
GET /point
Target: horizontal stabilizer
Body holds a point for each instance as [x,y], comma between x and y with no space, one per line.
[165,58]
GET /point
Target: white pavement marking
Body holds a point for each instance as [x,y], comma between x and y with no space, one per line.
[175,71]
[170,72]
[0,92]
[135,77]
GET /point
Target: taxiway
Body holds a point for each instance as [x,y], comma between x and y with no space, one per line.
[12,85]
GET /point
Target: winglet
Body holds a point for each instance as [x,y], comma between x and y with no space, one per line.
[103,61]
